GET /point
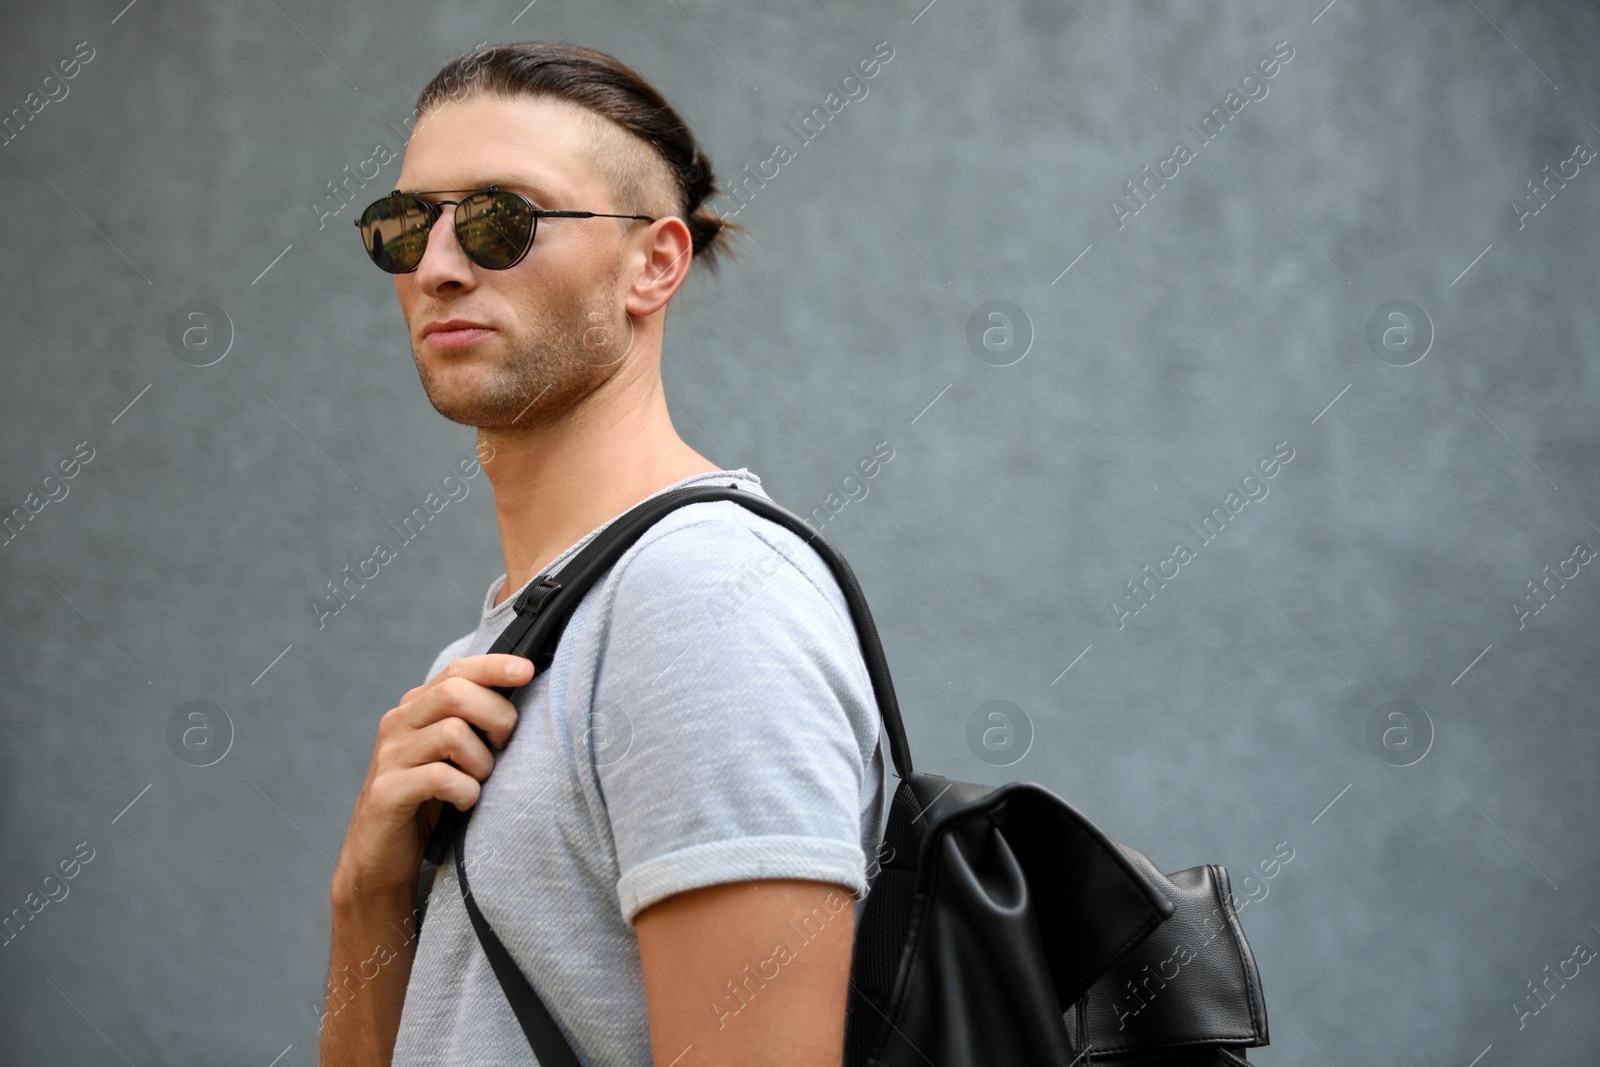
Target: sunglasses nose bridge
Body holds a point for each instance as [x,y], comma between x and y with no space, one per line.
[436,214]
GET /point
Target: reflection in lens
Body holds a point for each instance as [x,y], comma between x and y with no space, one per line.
[494,228]
[396,248]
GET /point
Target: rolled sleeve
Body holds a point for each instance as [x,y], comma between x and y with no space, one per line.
[739,715]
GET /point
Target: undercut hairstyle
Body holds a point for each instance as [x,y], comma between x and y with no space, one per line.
[645,150]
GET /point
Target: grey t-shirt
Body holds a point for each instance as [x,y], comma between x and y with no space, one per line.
[708,718]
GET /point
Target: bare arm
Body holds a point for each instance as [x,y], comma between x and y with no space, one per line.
[374,887]
[374,942]
[748,973]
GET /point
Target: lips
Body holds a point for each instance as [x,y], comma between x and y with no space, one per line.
[455,333]
[452,324]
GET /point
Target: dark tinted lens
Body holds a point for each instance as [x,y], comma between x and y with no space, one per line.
[395,231]
[495,229]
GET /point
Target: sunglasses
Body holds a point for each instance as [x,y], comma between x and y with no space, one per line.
[494,227]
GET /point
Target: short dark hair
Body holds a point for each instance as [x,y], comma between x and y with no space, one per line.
[629,111]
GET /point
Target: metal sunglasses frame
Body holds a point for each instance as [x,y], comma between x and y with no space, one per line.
[436,208]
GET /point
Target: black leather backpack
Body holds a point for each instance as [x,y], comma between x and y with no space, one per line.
[1003,928]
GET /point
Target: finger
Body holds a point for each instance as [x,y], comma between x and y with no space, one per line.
[489,669]
[450,739]
[403,790]
[461,698]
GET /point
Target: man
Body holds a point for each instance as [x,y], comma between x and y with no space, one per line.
[671,827]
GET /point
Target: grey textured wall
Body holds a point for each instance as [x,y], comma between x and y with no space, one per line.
[1440,859]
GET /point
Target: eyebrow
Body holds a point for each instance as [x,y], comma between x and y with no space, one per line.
[534,189]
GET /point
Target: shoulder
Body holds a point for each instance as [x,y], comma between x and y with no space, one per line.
[723,552]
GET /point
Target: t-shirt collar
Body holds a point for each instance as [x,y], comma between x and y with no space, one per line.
[492,613]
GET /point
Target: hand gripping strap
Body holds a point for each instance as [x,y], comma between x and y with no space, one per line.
[444,828]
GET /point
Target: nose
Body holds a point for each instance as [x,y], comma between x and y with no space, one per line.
[443,260]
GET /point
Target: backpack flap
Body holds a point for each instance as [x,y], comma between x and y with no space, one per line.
[1188,993]
[1007,904]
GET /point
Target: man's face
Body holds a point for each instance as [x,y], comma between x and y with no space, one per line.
[557,327]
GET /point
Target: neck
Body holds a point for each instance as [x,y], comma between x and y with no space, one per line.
[554,483]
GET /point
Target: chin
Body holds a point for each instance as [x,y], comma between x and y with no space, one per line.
[471,407]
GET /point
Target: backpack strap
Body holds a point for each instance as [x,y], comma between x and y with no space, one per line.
[546,1039]
[542,612]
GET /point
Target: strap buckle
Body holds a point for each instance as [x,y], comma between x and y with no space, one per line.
[532,599]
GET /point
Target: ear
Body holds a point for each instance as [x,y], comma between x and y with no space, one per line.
[659,262]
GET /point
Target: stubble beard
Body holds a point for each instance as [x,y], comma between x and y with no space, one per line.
[563,356]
